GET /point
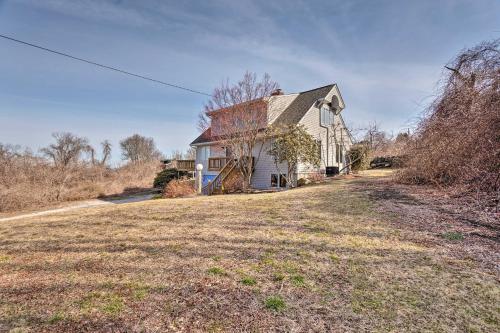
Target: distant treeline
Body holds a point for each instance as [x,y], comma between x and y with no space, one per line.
[71,169]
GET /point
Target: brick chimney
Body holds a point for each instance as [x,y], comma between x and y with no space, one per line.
[277,92]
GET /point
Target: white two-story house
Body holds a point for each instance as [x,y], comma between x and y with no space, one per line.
[319,110]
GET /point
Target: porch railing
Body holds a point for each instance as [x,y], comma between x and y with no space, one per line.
[185,165]
[217,184]
[217,163]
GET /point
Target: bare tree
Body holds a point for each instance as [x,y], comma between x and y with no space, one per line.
[176,155]
[238,116]
[375,137]
[190,154]
[66,154]
[31,180]
[137,148]
[106,152]
[67,150]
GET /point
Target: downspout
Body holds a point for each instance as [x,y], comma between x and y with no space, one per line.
[327,146]
[327,135]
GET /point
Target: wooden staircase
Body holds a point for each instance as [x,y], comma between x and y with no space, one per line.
[216,186]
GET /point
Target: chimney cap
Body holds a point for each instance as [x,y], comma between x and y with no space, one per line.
[277,92]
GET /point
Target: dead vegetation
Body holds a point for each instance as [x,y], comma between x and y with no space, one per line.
[179,188]
[60,173]
[324,258]
[457,143]
[447,220]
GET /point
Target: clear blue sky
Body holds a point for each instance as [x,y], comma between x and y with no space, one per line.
[386,57]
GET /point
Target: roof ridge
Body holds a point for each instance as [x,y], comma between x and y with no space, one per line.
[328,85]
[302,92]
[297,93]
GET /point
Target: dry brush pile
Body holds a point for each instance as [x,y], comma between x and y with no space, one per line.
[457,143]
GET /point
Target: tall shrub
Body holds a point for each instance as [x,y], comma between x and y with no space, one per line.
[165,176]
[457,143]
[359,156]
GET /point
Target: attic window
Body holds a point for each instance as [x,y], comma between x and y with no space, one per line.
[326,116]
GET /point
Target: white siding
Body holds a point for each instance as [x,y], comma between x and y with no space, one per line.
[278,104]
[261,179]
[203,152]
[311,121]
[265,166]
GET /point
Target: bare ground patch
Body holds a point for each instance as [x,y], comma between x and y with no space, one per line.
[449,223]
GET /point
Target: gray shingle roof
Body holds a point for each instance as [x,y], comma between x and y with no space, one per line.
[301,104]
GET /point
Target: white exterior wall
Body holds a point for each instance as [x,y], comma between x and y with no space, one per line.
[265,166]
[203,152]
[277,104]
[311,121]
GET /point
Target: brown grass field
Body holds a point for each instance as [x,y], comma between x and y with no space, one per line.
[350,255]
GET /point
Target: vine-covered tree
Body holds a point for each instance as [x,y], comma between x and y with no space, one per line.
[293,145]
[457,143]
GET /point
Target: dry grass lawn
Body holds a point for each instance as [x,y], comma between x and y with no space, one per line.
[323,258]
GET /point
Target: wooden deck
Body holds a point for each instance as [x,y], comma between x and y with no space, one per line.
[181,165]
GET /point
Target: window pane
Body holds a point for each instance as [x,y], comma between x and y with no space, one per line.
[283,180]
[325,116]
[274,180]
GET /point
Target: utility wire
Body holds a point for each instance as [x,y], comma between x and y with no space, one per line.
[104,66]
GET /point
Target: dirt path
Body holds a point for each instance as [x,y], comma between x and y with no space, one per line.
[83,204]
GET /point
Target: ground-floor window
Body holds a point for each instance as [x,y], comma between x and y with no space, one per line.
[278,180]
[339,153]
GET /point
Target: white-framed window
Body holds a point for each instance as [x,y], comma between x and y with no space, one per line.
[326,115]
[204,153]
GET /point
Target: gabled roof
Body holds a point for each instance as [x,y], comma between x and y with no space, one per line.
[203,137]
[296,110]
[287,109]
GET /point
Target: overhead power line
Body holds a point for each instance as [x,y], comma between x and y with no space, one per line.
[103,66]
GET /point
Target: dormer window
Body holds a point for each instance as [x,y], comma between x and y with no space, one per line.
[326,116]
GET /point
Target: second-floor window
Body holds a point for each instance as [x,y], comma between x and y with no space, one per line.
[326,116]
